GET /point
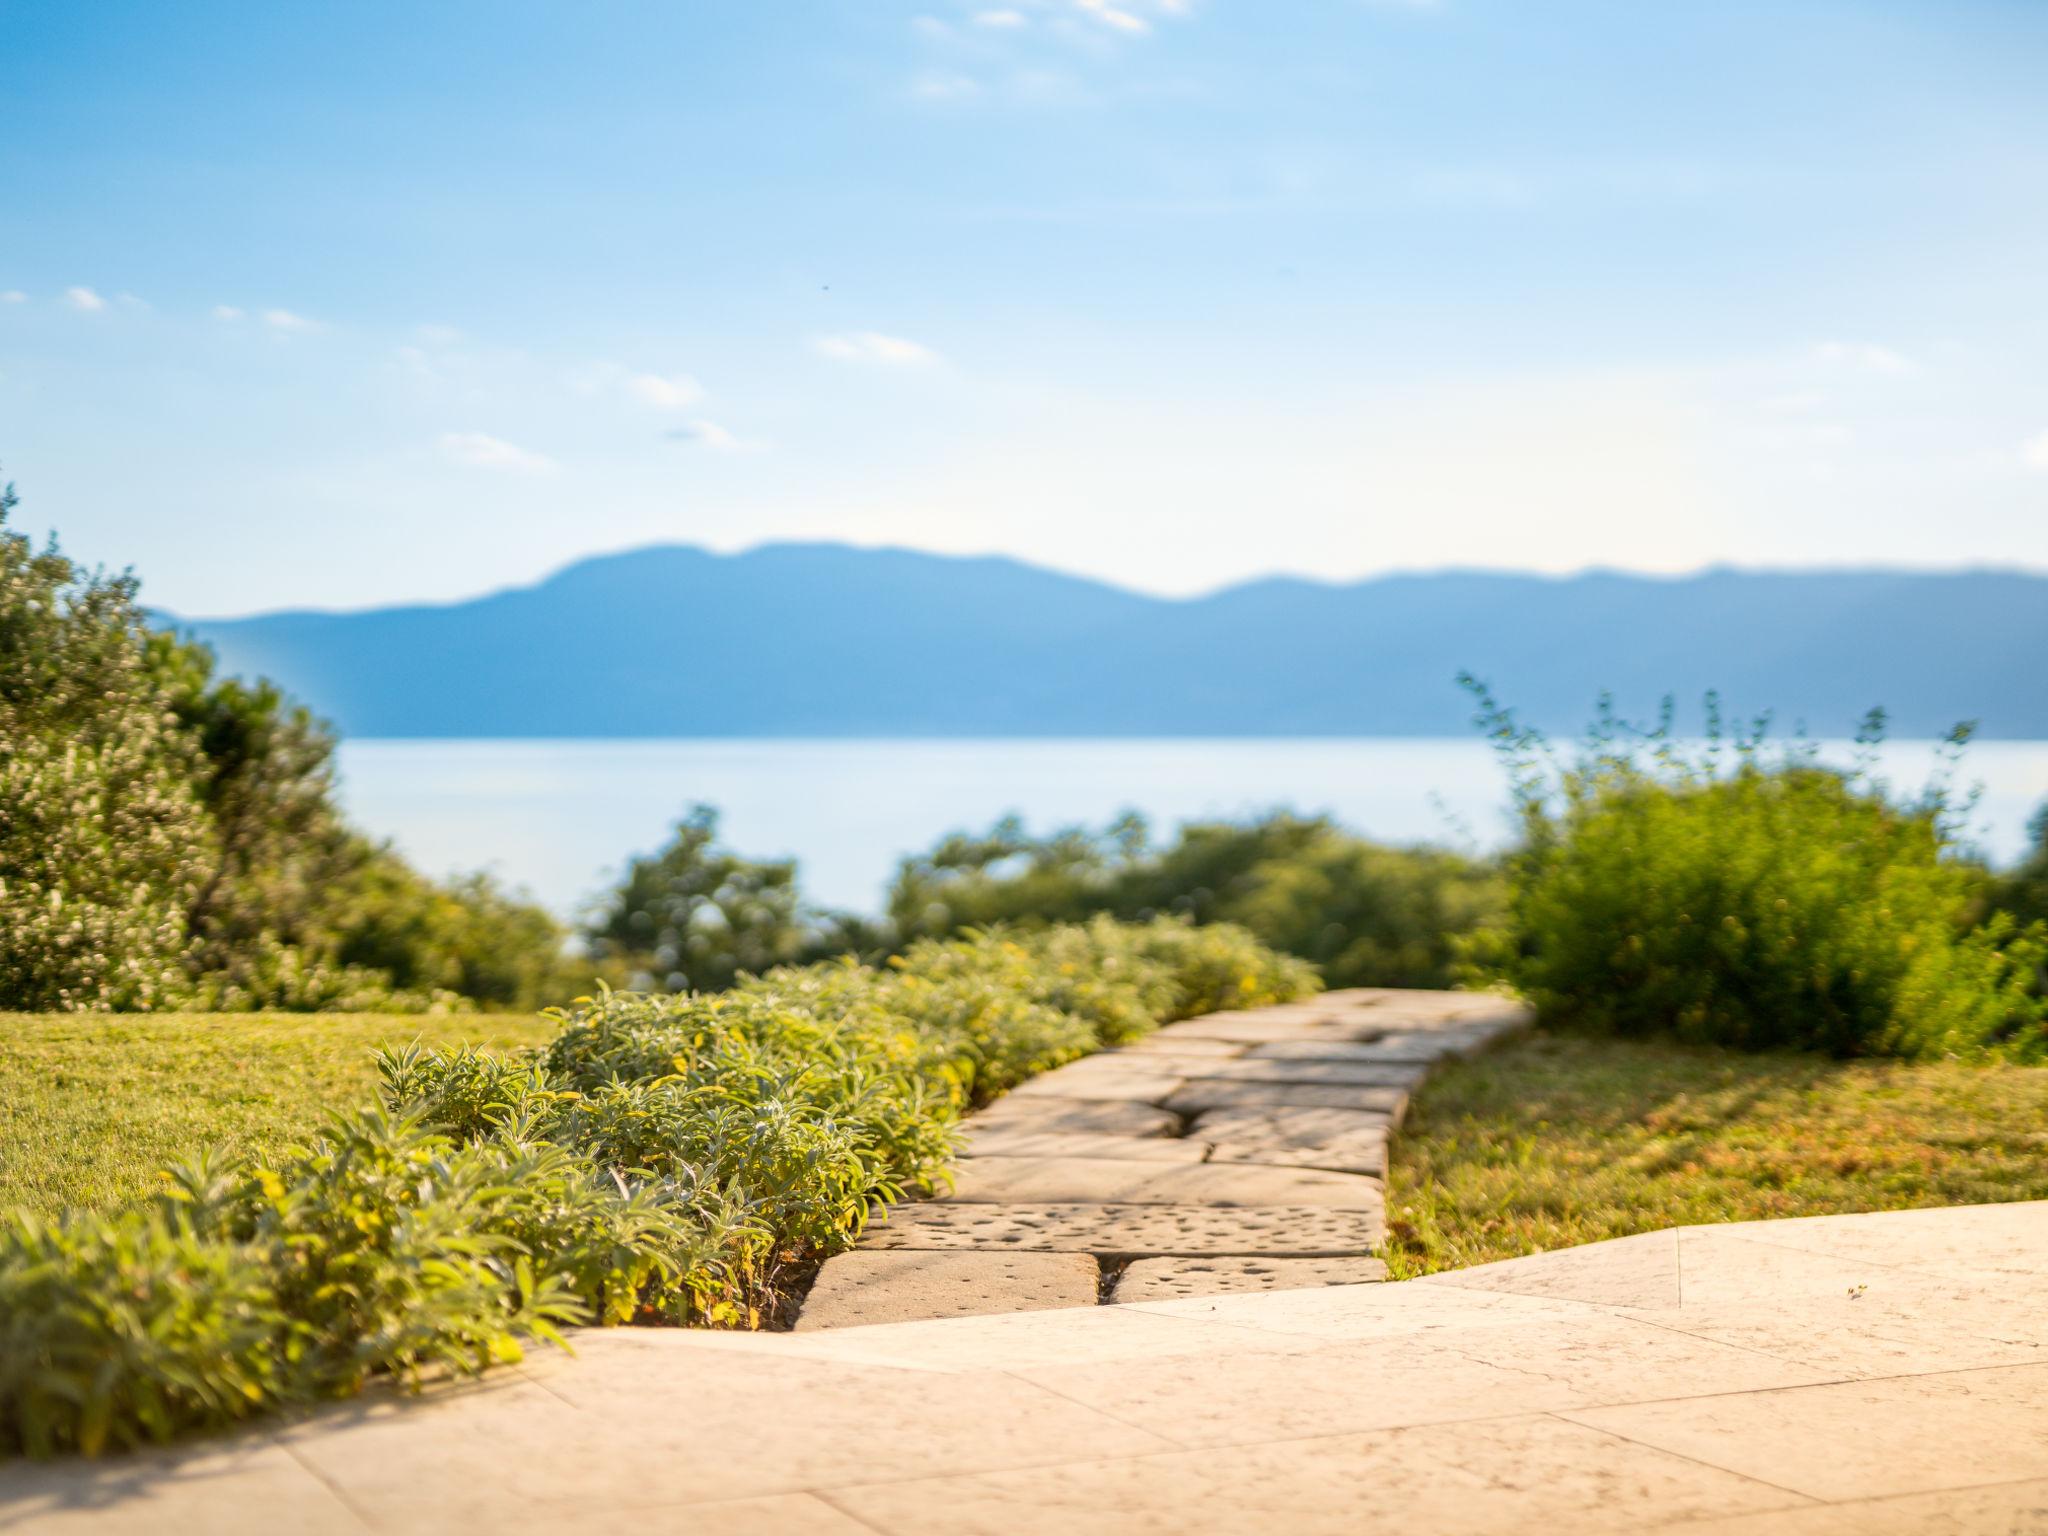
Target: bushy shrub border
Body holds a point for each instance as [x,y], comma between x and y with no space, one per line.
[674,1159]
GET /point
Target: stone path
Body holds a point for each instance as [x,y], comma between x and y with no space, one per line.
[1234,1152]
[1841,1376]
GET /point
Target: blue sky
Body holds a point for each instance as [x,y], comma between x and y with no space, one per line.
[343,304]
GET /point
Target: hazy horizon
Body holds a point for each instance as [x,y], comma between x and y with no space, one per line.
[1251,578]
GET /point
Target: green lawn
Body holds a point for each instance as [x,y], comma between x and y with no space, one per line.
[1555,1140]
[93,1105]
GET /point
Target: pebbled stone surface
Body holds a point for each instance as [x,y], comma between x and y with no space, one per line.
[1141,1230]
[1169,1279]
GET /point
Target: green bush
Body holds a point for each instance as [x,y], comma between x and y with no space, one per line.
[665,1159]
[1364,913]
[169,838]
[1746,897]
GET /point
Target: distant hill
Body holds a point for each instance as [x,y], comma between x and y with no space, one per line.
[828,640]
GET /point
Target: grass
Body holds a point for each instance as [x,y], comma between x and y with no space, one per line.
[93,1105]
[1554,1140]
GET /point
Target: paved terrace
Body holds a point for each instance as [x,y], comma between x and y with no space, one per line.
[1848,1374]
[1235,1152]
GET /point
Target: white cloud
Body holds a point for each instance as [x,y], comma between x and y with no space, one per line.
[943,85]
[227,312]
[438,335]
[13,296]
[1866,356]
[2035,453]
[132,301]
[1113,16]
[479,450]
[874,347]
[1001,20]
[84,299]
[284,322]
[671,392]
[709,434]
[930,26]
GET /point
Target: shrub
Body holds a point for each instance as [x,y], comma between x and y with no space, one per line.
[168,838]
[665,1159]
[1364,913]
[1764,901]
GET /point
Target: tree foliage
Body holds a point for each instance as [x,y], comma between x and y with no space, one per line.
[1364,913]
[168,837]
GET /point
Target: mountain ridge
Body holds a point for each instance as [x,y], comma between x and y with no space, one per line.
[822,639]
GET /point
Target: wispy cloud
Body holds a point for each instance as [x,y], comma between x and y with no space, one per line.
[709,434]
[1001,19]
[666,392]
[1866,357]
[228,312]
[84,299]
[479,450]
[875,347]
[13,296]
[944,85]
[285,323]
[1114,16]
[2034,453]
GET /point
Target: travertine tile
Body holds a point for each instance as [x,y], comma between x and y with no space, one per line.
[1627,1272]
[1859,1439]
[895,1287]
[241,1487]
[1450,1374]
[1504,1475]
[1999,1509]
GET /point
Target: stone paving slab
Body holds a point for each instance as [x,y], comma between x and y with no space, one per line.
[1193,1098]
[1345,1140]
[1366,1074]
[1168,1279]
[1129,1229]
[1071,1180]
[1254,1029]
[1099,1085]
[1017,1141]
[1107,1117]
[895,1287]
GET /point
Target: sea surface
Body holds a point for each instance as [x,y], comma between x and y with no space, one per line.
[559,818]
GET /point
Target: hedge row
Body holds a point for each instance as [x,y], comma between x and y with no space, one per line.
[675,1159]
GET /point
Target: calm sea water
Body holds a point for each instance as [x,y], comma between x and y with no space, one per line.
[560,817]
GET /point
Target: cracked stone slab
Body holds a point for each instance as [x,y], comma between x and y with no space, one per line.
[1188,1230]
[1075,1180]
[1196,1097]
[1350,1141]
[1365,1074]
[879,1287]
[1110,1117]
[1099,1085]
[1171,1279]
[1181,1046]
[1425,1049]
[1254,1029]
[1000,1141]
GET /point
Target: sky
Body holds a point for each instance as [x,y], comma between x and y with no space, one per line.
[349,304]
